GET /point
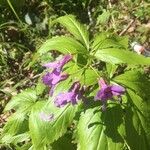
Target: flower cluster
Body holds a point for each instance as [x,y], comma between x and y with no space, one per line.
[53,78]
[76,92]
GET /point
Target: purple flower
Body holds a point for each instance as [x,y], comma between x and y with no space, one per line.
[54,77]
[107,92]
[58,65]
[46,117]
[51,79]
[72,96]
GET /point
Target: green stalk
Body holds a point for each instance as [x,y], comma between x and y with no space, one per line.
[12,8]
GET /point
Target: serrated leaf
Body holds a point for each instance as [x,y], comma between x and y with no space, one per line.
[62,44]
[23,101]
[64,143]
[75,28]
[51,130]
[99,130]
[16,124]
[20,138]
[89,77]
[136,81]
[105,40]
[137,122]
[117,56]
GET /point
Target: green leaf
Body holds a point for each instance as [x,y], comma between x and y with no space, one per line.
[75,28]
[16,124]
[62,44]
[51,130]
[136,81]
[117,56]
[64,143]
[23,101]
[20,138]
[105,40]
[75,72]
[137,122]
[89,77]
[111,69]
[100,130]
[40,87]
[103,18]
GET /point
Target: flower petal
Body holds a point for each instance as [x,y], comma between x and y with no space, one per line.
[51,65]
[62,99]
[58,64]
[117,90]
[102,83]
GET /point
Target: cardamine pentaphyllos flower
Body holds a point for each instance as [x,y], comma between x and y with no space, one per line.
[58,65]
[72,96]
[54,77]
[107,92]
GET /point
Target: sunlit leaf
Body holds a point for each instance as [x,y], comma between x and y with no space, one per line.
[63,118]
[23,101]
[136,81]
[75,28]
[100,130]
[62,44]
[16,124]
[117,56]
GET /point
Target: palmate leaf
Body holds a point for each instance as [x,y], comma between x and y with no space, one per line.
[23,101]
[62,44]
[43,132]
[100,130]
[136,81]
[75,28]
[117,56]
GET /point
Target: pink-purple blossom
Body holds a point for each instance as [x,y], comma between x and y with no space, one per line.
[72,96]
[107,92]
[58,65]
[55,76]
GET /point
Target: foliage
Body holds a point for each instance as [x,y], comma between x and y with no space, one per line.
[90,127]
[125,124]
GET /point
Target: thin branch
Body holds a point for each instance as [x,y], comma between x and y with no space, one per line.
[128,26]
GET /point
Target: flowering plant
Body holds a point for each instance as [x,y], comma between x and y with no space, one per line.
[76,112]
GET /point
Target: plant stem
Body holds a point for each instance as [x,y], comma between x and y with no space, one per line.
[12,8]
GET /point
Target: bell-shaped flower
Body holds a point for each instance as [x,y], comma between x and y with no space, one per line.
[58,65]
[72,96]
[53,78]
[107,92]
